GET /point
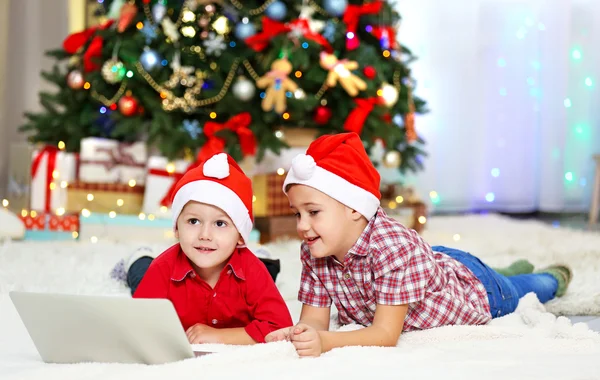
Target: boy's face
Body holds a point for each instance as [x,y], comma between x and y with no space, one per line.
[326,226]
[207,236]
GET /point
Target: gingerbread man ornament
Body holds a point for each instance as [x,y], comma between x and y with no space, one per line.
[277,84]
[341,71]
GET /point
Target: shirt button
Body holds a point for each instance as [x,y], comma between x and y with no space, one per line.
[229,271]
[214,321]
[193,275]
[214,295]
[347,276]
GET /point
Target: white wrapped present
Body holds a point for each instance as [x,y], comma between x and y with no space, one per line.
[162,174]
[110,161]
[51,171]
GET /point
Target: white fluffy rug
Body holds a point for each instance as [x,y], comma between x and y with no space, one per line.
[529,343]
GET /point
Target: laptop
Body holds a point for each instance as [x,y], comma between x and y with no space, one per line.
[69,328]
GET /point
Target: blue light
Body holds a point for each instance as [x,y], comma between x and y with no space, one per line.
[232,44]
[263,95]
[536,65]
[369,28]
[501,62]
[490,197]
[569,176]
[495,172]
[503,92]
[305,45]
[102,109]
[556,224]
[164,62]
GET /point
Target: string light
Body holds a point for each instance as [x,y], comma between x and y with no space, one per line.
[392,205]
[286,115]
[112,214]
[253,198]
[456,237]
[281,171]
[170,168]
[61,145]
[120,202]
[279,134]
[298,74]
[495,172]
[386,53]
[142,216]
[151,217]
[86,213]
[90,197]
[75,234]
[132,183]
[33,214]
[94,239]
[399,199]
[87,85]
[23,213]
[52,186]
[213,115]
[422,219]
[569,176]
[60,211]
[5,203]
[490,197]
[163,209]
[139,25]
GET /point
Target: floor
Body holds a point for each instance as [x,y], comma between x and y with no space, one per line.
[577,221]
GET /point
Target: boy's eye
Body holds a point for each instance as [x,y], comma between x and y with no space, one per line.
[297,215]
[221,223]
[193,221]
[315,212]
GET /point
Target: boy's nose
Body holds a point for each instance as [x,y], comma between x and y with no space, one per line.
[302,225]
[204,233]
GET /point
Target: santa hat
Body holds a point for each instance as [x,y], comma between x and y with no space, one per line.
[339,166]
[220,182]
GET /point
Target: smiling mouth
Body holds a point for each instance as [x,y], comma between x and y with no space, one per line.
[205,249]
[312,240]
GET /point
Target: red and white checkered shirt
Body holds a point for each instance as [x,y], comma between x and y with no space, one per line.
[392,265]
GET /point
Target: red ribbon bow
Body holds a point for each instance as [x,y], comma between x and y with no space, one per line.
[356,119]
[272,28]
[76,41]
[238,124]
[352,17]
[52,152]
[378,32]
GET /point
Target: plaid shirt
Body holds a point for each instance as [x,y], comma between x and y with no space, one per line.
[392,265]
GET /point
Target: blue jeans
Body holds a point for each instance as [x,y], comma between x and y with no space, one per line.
[504,292]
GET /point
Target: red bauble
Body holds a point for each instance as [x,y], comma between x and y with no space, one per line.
[322,115]
[128,105]
[369,72]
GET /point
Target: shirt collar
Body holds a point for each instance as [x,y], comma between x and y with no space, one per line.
[361,247]
[183,268]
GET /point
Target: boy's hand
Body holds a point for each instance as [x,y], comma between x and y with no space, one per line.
[279,335]
[306,340]
[200,333]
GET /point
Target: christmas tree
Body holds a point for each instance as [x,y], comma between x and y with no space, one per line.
[201,76]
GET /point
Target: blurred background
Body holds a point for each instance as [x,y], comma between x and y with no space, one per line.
[465,106]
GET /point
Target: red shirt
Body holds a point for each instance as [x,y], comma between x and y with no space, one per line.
[244,296]
[391,265]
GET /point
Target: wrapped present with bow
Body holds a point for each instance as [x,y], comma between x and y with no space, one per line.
[110,161]
[51,171]
[161,176]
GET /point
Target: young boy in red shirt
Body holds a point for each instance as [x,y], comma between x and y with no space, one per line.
[221,291]
[377,272]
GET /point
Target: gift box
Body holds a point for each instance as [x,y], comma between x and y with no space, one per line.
[270,200]
[104,197]
[404,205]
[51,171]
[161,177]
[42,221]
[273,228]
[110,161]
[19,176]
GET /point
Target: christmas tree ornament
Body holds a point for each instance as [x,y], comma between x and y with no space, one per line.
[335,8]
[340,71]
[409,118]
[392,159]
[170,29]
[159,11]
[214,44]
[322,115]
[277,84]
[75,80]
[149,59]
[276,10]
[149,31]
[329,32]
[389,94]
[243,31]
[192,127]
[113,71]
[221,25]
[128,13]
[306,13]
[369,72]
[128,105]
[352,17]
[244,89]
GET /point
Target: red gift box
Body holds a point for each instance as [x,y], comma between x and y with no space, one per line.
[40,221]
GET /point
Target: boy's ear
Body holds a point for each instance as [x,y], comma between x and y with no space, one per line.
[240,241]
[176,233]
[354,215]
